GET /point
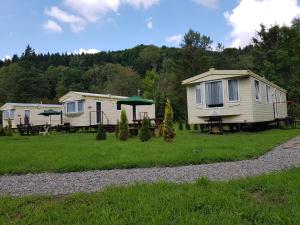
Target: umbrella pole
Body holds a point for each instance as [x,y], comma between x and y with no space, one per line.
[134,112]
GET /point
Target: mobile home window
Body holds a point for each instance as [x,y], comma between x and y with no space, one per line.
[269,93]
[71,107]
[233,90]
[80,106]
[119,107]
[257,90]
[198,94]
[214,94]
[8,114]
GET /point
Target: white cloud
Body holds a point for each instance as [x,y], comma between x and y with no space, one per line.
[77,23]
[93,10]
[175,39]
[7,57]
[149,23]
[245,19]
[52,26]
[87,51]
[140,3]
[212,4]
[85,11]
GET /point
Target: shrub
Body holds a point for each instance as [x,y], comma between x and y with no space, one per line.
[145,133]
[117,129]
[180,126]
[9,130]
[101,133]
[187,126]
[123,126]
[169,132]
[195,126]
[2,131]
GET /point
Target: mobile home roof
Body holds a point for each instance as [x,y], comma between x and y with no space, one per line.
[31,105]
[235,73]
[85,94]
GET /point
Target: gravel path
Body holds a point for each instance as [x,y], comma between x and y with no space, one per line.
[282,157]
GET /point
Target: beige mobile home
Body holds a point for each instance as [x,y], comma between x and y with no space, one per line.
[89,109]
[27,113]
[236,96]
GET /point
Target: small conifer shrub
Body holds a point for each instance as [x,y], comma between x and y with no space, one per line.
[123,126]
[169,131]
[101,133]
[145,132]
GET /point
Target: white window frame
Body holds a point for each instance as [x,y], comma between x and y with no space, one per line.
[259,86]
[67,111]
[269,94]
[204,95]
[238,87]
[200,87]
[10,115]
[82,101]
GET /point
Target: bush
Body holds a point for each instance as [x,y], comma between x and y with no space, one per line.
[117,129]
[195,126]
[187,126]
[2,131]
[123,126]
[9,130]
[145,133]
[180,126]
[169,132]
[101,133]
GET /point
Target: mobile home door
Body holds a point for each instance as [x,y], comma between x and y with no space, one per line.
[98,112]
[27,117]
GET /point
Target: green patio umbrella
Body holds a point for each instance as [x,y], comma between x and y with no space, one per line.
[134,101]
[50,113]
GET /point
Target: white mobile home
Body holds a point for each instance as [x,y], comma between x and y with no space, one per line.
[89,109]
[236,96]
[28,113]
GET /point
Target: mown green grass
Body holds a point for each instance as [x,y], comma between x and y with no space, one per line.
[265,200]
[78,152]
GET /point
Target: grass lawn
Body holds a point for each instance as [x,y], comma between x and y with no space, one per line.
[265,200]
[78,152]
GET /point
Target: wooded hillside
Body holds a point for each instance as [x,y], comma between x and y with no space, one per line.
[157,72]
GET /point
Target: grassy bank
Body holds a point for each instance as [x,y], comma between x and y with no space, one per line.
[265,200]
[78,152]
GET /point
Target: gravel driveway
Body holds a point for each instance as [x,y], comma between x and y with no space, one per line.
[282,157]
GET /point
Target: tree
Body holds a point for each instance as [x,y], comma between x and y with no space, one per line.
[150,85]
[123,126]
[9,130]
[121,80]
[145,133]
[101,133]
[169,131]
[149,59]
[180,125]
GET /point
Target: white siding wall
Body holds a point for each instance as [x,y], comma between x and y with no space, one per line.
[232,112]
[263,110]
[35,119]
[108,106]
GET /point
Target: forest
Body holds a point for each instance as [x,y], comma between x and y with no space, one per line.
[156,72]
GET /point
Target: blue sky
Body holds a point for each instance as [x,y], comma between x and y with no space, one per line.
[71,25]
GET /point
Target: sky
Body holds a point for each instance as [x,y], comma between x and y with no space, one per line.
[76,26]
